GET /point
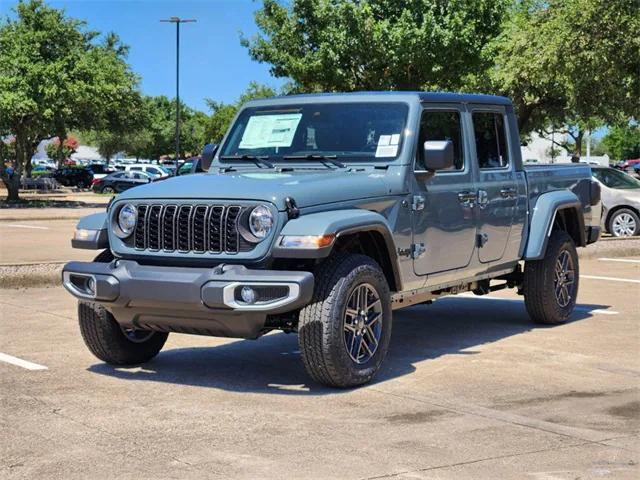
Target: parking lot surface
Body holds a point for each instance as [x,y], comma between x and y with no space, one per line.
[470,389]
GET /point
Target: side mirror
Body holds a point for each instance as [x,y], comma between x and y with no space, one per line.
[208,153]
[438,154]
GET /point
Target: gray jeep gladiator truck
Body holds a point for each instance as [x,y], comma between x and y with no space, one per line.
[321,215]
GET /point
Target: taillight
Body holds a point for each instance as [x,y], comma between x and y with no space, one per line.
[96,181]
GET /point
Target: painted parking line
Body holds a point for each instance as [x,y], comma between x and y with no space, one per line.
[609,279]
[625,260]
[15,225]
[20,363]
[597,311]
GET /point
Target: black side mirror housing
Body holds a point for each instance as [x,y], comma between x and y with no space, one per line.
[208,153]
[438,154]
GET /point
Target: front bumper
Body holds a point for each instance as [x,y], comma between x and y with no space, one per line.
[188,300]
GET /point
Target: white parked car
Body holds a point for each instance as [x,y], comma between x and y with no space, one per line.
[620,201]
[153,170]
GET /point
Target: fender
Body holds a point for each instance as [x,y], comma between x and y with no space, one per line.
[544,213]
[338,223]
[92,232]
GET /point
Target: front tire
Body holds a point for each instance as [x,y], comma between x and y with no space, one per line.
[624,223]
[551,284]
[113,344]
[344,332]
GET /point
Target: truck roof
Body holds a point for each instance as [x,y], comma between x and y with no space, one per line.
[434,97]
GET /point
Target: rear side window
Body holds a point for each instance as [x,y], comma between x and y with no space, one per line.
[491,139]
[441,125]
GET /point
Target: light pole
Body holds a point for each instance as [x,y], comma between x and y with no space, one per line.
[178,21]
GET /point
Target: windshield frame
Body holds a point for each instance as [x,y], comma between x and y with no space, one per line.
[347,157]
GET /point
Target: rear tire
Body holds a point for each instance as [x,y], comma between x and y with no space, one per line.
[551,284]
[112,344]
[344,332]
[108,190]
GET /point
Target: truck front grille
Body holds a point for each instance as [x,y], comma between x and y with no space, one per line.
[189,228]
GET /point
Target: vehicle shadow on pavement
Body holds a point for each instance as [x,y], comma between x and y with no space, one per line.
[272,364]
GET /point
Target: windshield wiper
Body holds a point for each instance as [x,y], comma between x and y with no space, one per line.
[258,160]
[322,158]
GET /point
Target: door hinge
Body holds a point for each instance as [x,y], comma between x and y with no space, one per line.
[418,203]
[417,249]
[482,239]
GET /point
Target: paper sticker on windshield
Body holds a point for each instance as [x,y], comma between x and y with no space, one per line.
[268,131]
[388,145]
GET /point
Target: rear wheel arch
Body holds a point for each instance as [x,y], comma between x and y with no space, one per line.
[571,220]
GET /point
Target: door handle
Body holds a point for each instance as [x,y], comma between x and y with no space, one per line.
[483,198]
[468,198]
[508,192]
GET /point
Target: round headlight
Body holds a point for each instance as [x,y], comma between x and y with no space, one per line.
[127,217]
[260,221]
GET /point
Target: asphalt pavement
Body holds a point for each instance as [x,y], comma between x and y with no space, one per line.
[471,389]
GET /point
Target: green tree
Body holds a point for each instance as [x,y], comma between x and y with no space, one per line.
[56,76]
[223,113]
[347,45]
[567,63]
[623,143]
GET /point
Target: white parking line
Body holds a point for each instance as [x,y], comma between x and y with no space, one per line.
[597,311]
[15,225]
[610,279]
[20,363]
[626,260]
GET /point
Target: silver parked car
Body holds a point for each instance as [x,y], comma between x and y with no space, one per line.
[620,201]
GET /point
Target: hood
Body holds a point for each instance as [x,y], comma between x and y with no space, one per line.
[307,188]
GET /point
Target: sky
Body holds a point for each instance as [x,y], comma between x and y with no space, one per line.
[213,64]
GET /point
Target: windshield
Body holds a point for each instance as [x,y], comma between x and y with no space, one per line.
[615,178]
[359,131]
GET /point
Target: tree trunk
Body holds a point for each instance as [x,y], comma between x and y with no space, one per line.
[577,153]
[12,183]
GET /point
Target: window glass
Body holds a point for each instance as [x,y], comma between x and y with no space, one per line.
[441,125]
[348,131]
[615,178]
[136,169]
[491,140]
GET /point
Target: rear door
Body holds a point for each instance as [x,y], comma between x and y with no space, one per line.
[497,192]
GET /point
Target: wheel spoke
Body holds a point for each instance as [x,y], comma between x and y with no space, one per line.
[362,323]
[376,303]
[371,321]
[357,346]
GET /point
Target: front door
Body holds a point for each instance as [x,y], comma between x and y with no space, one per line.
[496,184]
[444,225]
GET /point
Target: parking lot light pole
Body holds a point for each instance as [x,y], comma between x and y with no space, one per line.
[178,21]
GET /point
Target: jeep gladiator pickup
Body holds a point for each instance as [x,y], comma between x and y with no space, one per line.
[321,215]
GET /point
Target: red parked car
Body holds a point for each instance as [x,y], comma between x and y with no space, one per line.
[626,165]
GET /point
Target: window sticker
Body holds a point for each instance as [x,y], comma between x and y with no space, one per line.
[388,145]
[268,131]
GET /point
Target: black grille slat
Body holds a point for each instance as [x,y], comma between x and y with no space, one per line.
[140,234]
[190,228]
[183,227]
[153,227]
[231,233]
[199,229]
[168,227]
[215,229]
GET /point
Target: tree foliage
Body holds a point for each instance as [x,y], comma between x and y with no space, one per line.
[55,75]
[568,62]
[223,113]
[347,45]
[623,142]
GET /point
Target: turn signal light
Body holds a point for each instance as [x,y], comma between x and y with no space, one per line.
[307,241]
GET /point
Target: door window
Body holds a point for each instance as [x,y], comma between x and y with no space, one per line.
[491,139]
[441,125]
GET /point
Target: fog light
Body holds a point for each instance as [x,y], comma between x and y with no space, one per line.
[91,286]
[249,295]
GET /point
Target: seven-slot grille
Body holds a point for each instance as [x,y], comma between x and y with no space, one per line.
[189,228]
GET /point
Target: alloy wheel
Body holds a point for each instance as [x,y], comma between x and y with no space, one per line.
[564,279]
[363,323]
[624,225]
